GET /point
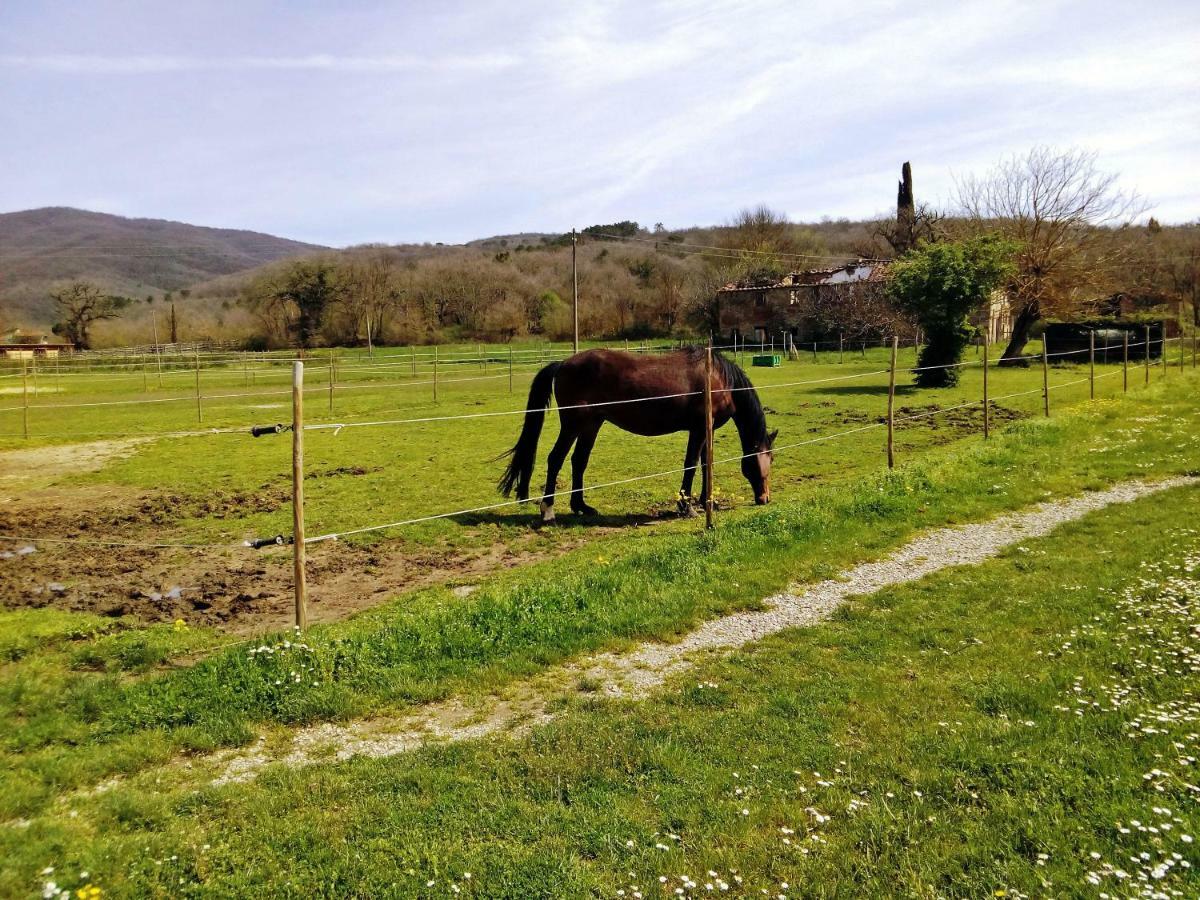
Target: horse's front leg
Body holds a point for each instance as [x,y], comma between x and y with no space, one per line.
[690,457]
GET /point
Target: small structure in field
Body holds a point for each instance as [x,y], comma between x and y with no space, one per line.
[18,345]
[817,305]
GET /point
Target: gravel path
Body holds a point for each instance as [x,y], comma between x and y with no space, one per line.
[636,673]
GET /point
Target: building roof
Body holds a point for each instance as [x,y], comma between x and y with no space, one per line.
[851,273]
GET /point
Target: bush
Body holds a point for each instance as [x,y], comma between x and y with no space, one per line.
[941,285]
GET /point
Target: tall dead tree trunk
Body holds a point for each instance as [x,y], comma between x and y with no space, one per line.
[906,212]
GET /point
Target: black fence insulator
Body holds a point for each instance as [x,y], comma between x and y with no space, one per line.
[260,430]
[278,541]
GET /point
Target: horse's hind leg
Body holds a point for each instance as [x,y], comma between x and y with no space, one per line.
[579,462]
[558,453]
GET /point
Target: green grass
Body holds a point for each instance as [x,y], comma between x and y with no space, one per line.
[923,742]
[84,698]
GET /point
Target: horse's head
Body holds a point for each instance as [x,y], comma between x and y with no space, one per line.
[757,469]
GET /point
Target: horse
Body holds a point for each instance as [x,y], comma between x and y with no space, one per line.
[646,395]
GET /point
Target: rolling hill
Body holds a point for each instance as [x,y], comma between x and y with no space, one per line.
[134,257]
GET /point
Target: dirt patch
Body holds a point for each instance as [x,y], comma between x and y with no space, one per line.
[66,459]
[240,591]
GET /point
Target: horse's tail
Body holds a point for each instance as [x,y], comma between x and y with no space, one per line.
[520,466]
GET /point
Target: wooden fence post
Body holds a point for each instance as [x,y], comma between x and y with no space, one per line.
[435,362]
[1092,363]
[331,381]
[413,351]
[301,584]
[1193,351]
[199,408]
[1125,362]
[708,438]
[987,412]
[1147,354]
[814,351]
[24,400]
[841,348]
[1045,377]
[891,412]
[510,356]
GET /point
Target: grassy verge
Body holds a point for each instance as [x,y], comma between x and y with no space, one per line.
[1024,727]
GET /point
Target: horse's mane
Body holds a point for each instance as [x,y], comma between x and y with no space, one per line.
[748,410]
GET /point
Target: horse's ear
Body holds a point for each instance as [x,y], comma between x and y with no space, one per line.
[771,438]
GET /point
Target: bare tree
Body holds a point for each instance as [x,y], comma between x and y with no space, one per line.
[1060,208]
[80,304]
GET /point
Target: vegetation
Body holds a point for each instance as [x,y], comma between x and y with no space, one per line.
[81,305]
[1061,210]
[875,741]
[941,285]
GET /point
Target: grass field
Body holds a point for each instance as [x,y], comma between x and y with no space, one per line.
[88,696]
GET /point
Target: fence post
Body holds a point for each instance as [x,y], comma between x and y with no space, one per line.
[708,438]
[814,351]
[413,351]
[1125,362]
[987,412]
[331,381]
[1181,351]
[510,355]
[891,412]
[435,362]
[1092,363]
[24,400]
[301,584]
[1163,332]
[841,348]
[1147,354]
[1045,377]
[1193,351]
[199,408]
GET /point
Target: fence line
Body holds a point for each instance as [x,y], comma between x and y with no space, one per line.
[212,547]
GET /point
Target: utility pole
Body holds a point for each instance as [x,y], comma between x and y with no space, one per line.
[575,289]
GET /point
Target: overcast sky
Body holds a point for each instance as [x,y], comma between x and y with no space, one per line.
[346,122]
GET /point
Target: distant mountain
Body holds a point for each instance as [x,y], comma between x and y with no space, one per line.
[133,257]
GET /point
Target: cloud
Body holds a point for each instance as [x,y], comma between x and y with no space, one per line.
[77,63]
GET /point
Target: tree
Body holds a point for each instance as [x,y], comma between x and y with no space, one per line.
[80,304]
[942,284]
[913,224]
[292,301]
[1059,207]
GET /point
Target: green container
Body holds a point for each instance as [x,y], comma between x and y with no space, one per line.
[770,360]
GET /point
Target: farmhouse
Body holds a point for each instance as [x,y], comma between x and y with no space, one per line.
[815,305]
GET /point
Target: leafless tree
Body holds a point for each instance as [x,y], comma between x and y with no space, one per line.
[1059,207]
[81,304]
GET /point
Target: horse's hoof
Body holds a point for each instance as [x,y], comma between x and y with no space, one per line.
[585,510]
[547,512]
[685,509]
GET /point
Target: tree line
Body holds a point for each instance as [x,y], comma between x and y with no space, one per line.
[1069,227]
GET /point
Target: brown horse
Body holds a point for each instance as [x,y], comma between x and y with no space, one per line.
[598,386]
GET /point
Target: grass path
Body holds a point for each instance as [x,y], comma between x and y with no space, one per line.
[637,672]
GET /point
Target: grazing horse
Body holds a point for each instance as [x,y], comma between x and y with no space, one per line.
[598,386]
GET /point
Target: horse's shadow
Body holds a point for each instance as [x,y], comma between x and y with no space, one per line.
[563,519]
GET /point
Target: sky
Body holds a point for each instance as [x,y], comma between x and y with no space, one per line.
[352,122]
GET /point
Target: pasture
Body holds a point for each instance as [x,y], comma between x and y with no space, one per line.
[127,663]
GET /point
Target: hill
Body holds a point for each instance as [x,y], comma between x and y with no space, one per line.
[133,257]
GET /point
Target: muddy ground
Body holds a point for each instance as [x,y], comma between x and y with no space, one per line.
[235,589]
